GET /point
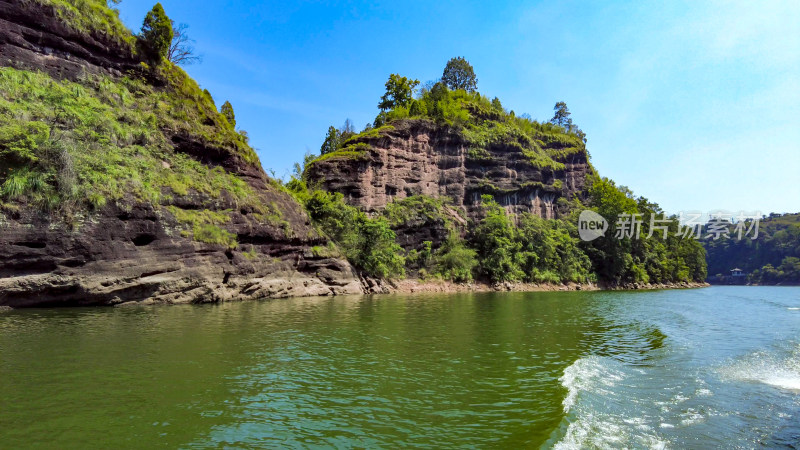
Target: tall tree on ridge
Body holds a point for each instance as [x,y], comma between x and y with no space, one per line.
[459,74]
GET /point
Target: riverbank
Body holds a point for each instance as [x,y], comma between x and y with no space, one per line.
[416,286]
[411,286]
[715,283]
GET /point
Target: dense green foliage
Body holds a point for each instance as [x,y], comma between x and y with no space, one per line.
[452,260]
[495,238]
[156,35]
[420,210]
[538,250]
[524,248]
[788,272]
[459,74]
[769,259]
[399,92]
[650,258]
[368,243]
[550,251]
[534,250]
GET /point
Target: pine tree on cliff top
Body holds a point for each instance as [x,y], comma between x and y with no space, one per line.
[156,34]
[227,111]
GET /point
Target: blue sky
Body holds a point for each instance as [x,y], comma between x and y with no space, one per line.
[695,105]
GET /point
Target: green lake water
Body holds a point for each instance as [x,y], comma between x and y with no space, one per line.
[716,367]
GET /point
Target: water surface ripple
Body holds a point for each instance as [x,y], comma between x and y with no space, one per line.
[717,367]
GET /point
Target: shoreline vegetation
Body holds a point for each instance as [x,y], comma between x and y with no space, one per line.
[441,286]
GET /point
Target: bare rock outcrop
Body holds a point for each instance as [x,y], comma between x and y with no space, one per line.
[120,256]
[418,157]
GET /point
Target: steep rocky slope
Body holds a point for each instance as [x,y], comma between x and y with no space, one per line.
[420,157]
[39,35]
[122,184]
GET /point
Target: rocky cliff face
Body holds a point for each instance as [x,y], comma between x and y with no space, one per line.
[135,254]
[417,157]
[132,250]
[33,37]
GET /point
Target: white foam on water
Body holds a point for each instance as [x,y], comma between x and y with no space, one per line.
[793,309]
[587,374]
[592,393]
[767,368]
[790,383]
[599,430]
[679,398]
[703,392]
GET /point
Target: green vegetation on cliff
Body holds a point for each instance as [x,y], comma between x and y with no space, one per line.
[420,210]
[482,122]
[788,272]
[453,259]
[156,35]
[70,147]
[498,246]
[531,249]
[368,243]
[650,259]
[534,249]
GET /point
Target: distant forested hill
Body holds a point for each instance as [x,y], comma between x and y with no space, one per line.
[772,258]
